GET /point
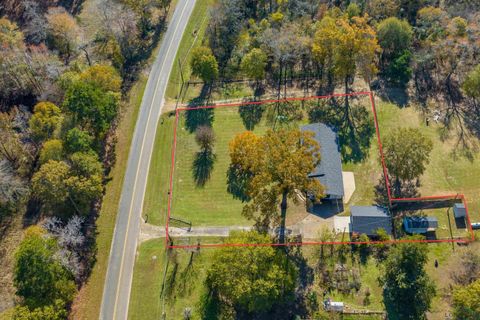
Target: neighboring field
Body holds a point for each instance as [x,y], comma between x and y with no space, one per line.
[447,173]
[184,283]
[185,276]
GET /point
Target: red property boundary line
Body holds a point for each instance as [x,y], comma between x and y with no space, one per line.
[384,168]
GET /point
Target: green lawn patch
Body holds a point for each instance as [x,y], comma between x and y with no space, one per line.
[184,281]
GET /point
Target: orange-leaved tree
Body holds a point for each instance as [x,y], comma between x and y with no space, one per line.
[277,166]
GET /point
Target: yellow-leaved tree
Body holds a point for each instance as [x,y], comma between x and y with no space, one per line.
[277,166]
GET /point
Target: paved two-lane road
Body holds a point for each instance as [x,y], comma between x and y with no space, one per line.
[118,281]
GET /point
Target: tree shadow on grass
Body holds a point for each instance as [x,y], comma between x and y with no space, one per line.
[198,117]
[355,126]
[202,166]
[237,183]
[251,115]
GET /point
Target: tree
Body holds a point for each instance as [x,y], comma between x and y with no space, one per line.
[205,137]
[14,147]
[13,189]
[382,9]
[45,120]
[468,270]
[85,181]
[10,34]
[254,63]
[91,106]
[204,64]
[71,241]
[102,76]
[431,23]
[51,150]
[40,279]
[23,72]
[279,164]
[395,38]
[77,140]
[406,152]
[205,158]
[251,279]
[471,85]
[466,302]
[49,183]
[62,32]
[458,26]
[406,281]
[56,311]
[225,24]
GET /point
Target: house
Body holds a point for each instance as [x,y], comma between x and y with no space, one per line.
[329,170]
[459,210]
[368,219]
[420,224]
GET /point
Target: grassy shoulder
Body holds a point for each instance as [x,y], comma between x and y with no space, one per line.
[192,37]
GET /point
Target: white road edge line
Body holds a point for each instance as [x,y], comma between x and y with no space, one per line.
[138,168]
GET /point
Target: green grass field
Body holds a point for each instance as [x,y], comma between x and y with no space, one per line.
[446,173]
[183,286]
[211,204]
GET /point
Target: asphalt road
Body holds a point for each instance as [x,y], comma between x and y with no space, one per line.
[118,281]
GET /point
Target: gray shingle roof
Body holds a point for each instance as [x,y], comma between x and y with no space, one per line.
[329,171]
[421,222]
[369,219]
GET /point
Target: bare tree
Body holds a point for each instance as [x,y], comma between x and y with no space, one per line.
[70,240]
[12,187]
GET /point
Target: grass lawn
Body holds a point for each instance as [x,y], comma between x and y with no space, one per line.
[446,173]
[185,276]
[211,204]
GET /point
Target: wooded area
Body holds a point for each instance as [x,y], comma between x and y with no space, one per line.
[62,92]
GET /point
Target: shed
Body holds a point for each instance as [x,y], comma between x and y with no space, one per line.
[420,224]
[329,170]
[459,210]
[368,219]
